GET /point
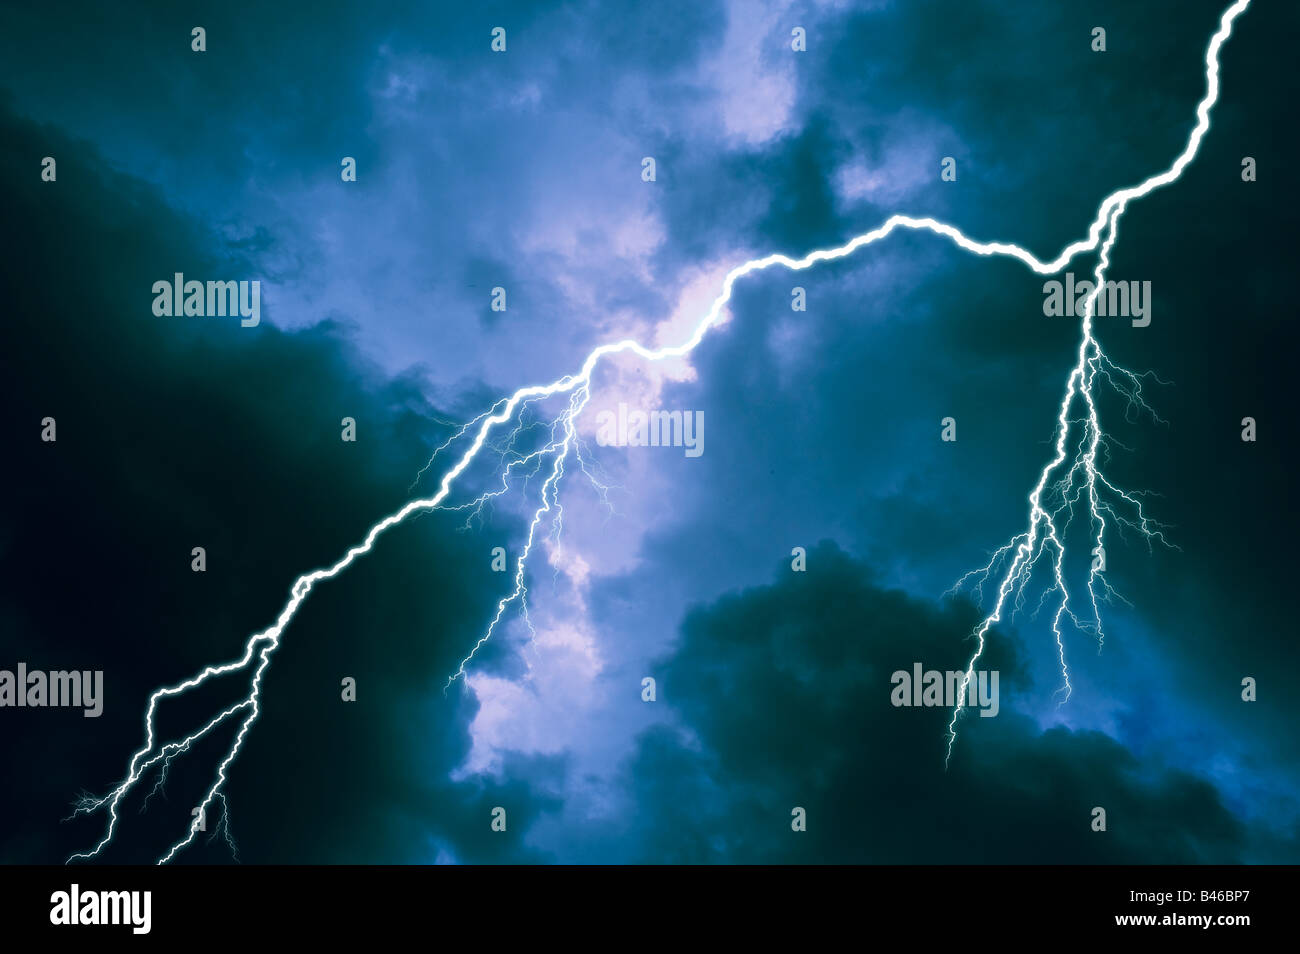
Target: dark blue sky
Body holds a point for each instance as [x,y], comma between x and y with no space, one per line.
[522,170]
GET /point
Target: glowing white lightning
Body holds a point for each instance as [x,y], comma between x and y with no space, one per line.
[1041,538]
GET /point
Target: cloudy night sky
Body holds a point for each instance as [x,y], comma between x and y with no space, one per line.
[523,170]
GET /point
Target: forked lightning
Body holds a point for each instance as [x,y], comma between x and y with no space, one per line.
[1071,477]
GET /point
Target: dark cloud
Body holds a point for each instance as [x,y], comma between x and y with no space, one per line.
[784,696]
[183,432]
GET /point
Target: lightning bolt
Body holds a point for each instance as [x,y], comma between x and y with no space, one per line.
[1043,540]
[1068,478]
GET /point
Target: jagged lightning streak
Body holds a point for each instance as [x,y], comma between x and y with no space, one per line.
[1042,537]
